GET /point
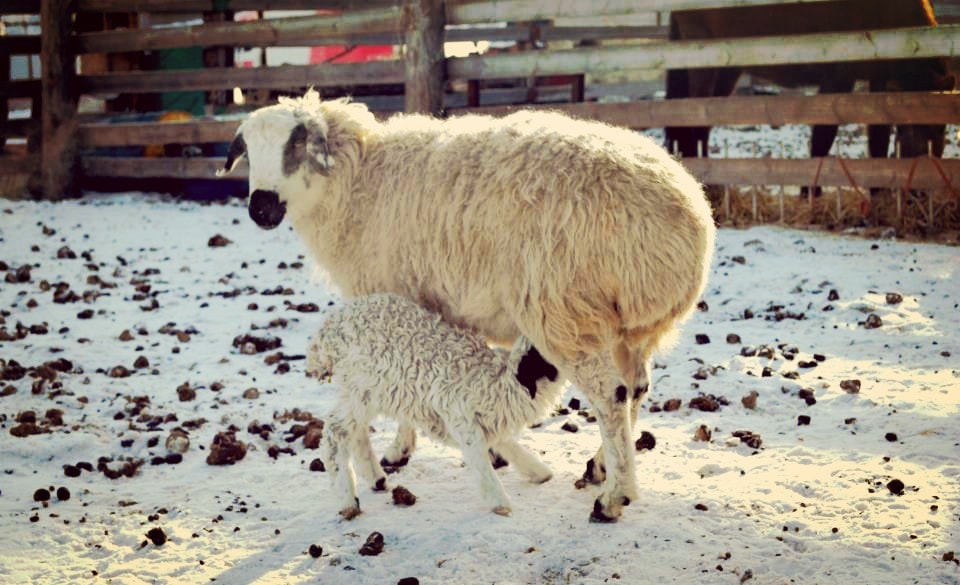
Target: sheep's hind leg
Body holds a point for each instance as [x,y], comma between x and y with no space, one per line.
[403,445]
[474,447]
[599,378]
[596,470]
[524,460]
[337,443]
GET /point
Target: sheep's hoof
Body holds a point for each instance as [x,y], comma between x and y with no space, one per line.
[502,510]
[381,485]
[598,516]
[350,513]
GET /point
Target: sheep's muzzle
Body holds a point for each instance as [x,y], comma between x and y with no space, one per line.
[266,209]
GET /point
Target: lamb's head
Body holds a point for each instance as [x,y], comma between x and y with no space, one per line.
[291,147]
[532,370]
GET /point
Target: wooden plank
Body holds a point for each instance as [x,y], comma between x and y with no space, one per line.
[140,133]
[215,5]
[258,33]
[283,76]
[912,42]
[186,168]
[856,108]
[58,117]
[19,128]
[19,44]
[20,7]
[868,173]
[526,10]
[19,89]
[423,56]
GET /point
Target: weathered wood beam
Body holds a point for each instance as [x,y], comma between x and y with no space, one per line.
[20,7]
[525,10]
[140,133]
[19,89]
[328,75]
[258,33]
[215,5]
[915,42]
[423,56]
[853,108]
[58,118]
[868,173]
[19,44]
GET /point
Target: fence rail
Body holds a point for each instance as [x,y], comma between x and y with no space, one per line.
[422,26]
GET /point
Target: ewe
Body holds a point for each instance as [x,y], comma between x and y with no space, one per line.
[387,355]
[588,240]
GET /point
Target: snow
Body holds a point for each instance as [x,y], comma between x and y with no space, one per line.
[810,505]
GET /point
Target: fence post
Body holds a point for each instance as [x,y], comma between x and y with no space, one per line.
[58,118]
[423,56]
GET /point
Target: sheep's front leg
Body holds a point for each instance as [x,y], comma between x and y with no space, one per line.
[474,447]
[524,460]
[403,445]
[599,379]
[337,443]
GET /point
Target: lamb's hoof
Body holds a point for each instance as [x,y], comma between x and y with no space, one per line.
[502,510]
[598,515]
[350,513]
[496,460]
[541,478]
[393,466]
[381,485]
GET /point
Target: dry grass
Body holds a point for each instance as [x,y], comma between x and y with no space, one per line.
[933,216]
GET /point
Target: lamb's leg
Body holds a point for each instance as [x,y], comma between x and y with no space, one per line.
[367,464]
[474,447]
[337,443]
[524,460]
[599,378]
[403,445]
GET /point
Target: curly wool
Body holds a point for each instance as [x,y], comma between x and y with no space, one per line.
[389,356]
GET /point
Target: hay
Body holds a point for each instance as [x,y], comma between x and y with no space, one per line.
[919,215]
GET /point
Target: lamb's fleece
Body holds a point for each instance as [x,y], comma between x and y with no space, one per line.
[389,356]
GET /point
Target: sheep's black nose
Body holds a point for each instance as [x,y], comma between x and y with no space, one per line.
[266,209]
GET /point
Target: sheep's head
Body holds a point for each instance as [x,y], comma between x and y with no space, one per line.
[287,146]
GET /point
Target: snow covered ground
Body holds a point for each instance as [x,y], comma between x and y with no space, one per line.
[839,485]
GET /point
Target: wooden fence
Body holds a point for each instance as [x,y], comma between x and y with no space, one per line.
[67,142]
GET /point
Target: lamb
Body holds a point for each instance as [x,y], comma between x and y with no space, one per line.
[588,240]
[389,356]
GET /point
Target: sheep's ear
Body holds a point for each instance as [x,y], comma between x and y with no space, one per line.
[318,150]
[238,148]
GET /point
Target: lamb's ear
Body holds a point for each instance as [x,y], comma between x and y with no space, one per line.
[531,368]
[238,148]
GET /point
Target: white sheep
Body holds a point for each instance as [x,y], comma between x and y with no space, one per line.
[389,356]
[589,240]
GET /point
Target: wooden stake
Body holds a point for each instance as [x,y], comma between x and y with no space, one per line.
[896,148]
[423,56]
[726,187]
[58,120]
